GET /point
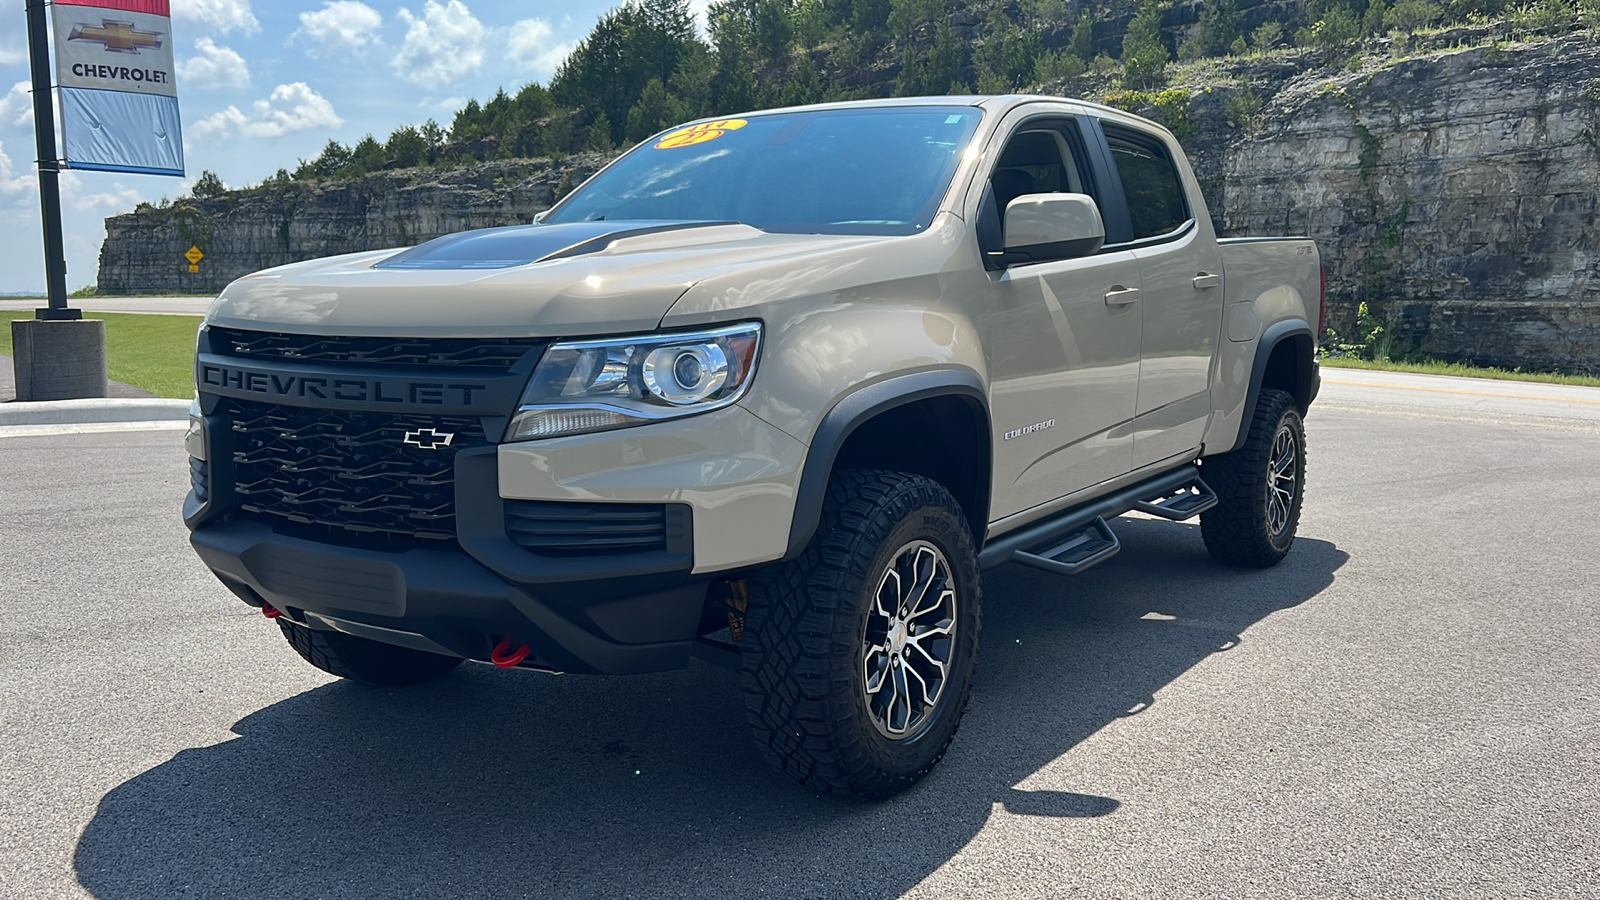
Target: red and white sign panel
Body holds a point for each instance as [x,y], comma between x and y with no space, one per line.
[119,100]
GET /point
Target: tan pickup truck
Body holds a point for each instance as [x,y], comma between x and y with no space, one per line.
[772,390]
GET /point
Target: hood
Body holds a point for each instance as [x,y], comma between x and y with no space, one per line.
[582,278]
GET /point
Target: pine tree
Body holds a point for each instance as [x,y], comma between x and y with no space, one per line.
[1144,54]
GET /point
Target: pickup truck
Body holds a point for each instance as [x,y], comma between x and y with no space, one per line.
[772,391]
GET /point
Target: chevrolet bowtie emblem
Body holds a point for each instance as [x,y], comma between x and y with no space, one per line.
[121,37]
[428,439]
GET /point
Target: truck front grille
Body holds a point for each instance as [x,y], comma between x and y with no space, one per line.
[483,353]
[354,472]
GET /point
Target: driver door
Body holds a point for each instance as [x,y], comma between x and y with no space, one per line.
[1064,342]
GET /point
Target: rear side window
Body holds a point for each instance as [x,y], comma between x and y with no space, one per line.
[1150,180]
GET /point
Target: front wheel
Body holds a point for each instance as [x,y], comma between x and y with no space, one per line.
[1259,487]
[858,655]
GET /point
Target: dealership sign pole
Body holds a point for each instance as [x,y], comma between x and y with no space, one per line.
[119,113]
[44,128]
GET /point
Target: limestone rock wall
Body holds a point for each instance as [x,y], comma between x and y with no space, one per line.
[249,230]
[1454,192]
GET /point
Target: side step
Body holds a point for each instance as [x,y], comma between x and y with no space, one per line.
[1093,544]
[1078,538]
[1183,504]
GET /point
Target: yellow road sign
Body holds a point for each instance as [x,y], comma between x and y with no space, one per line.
[194,256]
[193,268]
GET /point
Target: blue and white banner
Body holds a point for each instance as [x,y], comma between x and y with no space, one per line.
[119,101]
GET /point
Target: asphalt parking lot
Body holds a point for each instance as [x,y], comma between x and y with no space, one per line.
[1409,706]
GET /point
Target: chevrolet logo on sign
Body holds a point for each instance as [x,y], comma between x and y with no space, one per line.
[120,37]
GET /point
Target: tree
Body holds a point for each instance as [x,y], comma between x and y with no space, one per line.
[433,135]
[1219,26]
[406,148]
[1082,43]
[652,113]
[1336,27]
[1144,54]
[208,185]
[366,156]
[600,135]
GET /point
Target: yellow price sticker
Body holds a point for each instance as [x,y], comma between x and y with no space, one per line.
[699,134]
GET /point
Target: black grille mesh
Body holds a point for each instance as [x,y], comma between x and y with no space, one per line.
[346,470]
[561,528]
[485,353]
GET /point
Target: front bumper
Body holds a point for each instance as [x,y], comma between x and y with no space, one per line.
[447,601]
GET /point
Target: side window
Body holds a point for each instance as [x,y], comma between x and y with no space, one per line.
[1041,157]
[1156,202]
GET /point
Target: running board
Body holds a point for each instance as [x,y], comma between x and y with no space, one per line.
[1078,538]
[1089,546]
[1184,504]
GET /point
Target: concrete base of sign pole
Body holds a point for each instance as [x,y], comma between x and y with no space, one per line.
[59,359]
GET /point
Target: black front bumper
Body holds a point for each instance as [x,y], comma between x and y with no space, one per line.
[602,613]
[613,626]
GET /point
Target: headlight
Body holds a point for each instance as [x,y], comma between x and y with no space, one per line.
[584,386]
[194,440]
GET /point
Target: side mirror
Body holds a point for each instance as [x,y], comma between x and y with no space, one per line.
[1040,227]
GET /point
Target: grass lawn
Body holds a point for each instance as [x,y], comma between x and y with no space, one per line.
[1460,370]
[151,352]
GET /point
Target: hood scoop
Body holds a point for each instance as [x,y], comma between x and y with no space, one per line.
[520,245]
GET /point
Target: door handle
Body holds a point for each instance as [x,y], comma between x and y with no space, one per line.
[1205,281]
[1121,296]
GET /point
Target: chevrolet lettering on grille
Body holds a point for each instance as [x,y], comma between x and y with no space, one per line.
[428,439]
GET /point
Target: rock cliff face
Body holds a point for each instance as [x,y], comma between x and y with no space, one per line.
[1456,193]
[1453,189]
[244,231]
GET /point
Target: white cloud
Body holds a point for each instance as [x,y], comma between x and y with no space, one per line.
[119,199]
[442,47]
[340,25]
[11,183]
[223,15]
[16,107]
[290,108]
[213,67]
[532,45]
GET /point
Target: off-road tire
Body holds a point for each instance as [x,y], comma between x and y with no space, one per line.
[1239,530]
[359,659]
[805,641]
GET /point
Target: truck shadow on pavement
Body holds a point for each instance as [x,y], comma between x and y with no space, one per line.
[518,784]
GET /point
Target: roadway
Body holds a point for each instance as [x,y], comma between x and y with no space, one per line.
[161,306]
[1409,706]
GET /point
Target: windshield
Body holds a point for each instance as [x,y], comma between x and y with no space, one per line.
[848,171]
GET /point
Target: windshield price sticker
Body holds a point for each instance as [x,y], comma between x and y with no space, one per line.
[699,134]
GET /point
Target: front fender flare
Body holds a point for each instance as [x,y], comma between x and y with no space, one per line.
[848,414]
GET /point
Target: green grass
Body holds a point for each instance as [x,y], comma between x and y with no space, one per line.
[1460,370]
[155,353]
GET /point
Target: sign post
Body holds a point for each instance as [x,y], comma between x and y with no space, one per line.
[119,113]
[44,127]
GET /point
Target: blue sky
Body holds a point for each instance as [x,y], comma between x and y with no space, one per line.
[261,84]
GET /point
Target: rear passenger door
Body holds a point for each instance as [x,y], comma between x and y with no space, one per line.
[1181,291]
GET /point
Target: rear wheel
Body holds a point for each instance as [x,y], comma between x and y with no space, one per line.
[359,659]
[858,655]
[1259,487]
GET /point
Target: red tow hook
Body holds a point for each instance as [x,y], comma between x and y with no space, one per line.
[503,656]
[270,611]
